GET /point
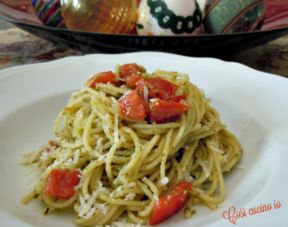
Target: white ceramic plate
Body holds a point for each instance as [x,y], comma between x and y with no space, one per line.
[252,104]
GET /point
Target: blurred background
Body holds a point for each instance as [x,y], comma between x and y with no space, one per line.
[258,40]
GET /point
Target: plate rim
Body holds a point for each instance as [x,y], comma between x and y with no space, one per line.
[70,60]
[155,54]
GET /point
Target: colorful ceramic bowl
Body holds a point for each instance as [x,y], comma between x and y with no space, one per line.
[49,12]
[226,16]
[216,45]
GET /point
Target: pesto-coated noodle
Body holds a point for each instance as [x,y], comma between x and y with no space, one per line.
[126,166]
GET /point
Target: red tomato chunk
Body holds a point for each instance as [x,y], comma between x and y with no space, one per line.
[131,73]
[104,78]
[133,107]
[131,81]
[129,69]
[178,98]
[171,203]
[158,88]
[61,184]
[162,111]
[136,106]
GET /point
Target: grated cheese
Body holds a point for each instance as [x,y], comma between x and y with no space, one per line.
[119,189]
[164,181]
[130,196]
[105,128]
[90,213]
[100,187]
[145,93]
[76,156]
[205,168]
[87,208]
[102,157]
[155,197]
[144,178]
[69,162]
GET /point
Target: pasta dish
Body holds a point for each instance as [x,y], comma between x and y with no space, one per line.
[137,147]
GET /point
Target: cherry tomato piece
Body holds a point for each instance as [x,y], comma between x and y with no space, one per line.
[171,203]
[132,80]
[61,184]
[129,69]
[104,78]
[178,98]
[158,88]
[133,107]
[163,111]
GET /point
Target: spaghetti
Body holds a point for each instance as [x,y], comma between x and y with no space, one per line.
[122,167]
